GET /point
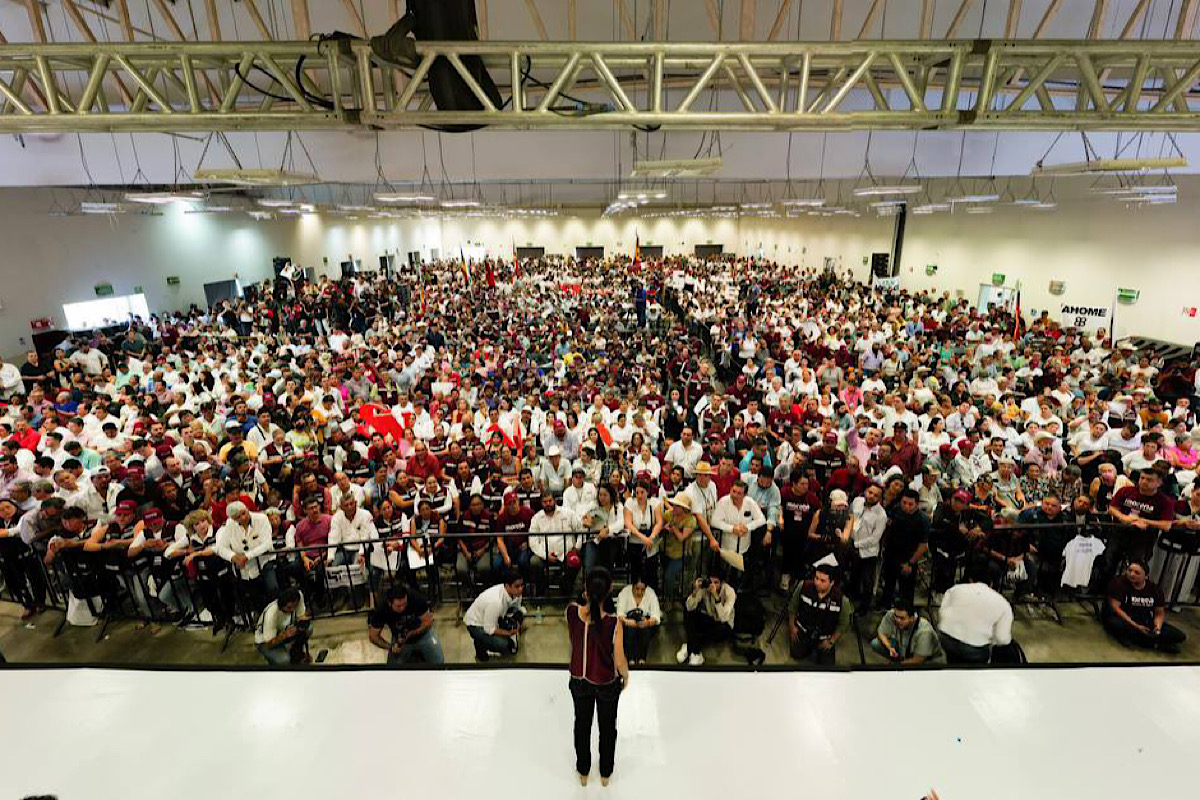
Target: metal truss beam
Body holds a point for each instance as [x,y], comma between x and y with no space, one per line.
[985,84]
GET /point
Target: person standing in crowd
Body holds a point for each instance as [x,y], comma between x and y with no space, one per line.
[599,672]
[818,616]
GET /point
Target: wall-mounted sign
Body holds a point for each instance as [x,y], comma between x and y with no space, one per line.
[1128,295]
[45,324]
[1189,312]
[886,284]
[997,279]
[138,290]
[931,269]
[103,289]
[1057,287]
[172,280]
[1075,316]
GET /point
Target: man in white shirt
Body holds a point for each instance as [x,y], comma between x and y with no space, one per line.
[736,516]
[350,527]
[685,453]
[10,380]
[494,619]
[973,618]
[91,361]
[870,520]
[245,541]
[553,472]
[580,495]
[283,629]
[552,541]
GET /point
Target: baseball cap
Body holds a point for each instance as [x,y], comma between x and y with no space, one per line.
[962,495]
[554,451]
[510,494]
[153,516]
[203,465]
[947,449]
[830,438]
[126,507]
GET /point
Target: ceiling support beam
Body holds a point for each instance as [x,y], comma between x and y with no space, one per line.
[355,17]
[872,12]
[572,19]
[481,12]
[1012,22]
[85,30]
[1051,11]
[659,20]
[780,20]
[960,17]
[714,18]
[926,19]
[1185,23]
[835,21]
[37,24]
[746,20]
[534,15]
[1099,13]
[126,20]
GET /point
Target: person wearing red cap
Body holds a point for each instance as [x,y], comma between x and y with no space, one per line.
[827,458]
[958,533]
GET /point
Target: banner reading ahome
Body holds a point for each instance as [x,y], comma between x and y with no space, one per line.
[1076,316]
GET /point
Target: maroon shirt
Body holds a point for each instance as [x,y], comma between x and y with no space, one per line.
[1158,507]
[593,657]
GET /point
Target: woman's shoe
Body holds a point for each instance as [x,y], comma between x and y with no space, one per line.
[603,781]
[583,780]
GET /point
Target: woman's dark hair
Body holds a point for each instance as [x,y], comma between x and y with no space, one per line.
[596,590]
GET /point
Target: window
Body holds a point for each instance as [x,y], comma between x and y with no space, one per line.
[104,312]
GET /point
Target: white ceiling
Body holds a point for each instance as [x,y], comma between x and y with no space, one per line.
[532,156]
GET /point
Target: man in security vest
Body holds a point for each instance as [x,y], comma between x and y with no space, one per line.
[818,617]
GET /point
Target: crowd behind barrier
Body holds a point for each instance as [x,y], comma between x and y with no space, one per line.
[752,447]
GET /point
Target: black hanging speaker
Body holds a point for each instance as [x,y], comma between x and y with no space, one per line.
[440,20]
[881,265]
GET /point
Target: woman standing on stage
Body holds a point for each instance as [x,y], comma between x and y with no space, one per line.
[599,672]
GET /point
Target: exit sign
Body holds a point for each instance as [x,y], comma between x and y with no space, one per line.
[103,289]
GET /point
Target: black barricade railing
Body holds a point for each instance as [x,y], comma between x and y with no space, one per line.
[345,578]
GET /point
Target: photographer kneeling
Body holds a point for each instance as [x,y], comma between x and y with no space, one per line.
[708,618]
[283,630]
[818,616]
[637,605]
[494,619]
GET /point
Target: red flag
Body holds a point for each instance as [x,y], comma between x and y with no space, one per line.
[637,253]
[491,275]
[516,261]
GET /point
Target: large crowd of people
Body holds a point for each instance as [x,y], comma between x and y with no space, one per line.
[710,431]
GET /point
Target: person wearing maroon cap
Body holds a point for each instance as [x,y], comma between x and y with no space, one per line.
[117,535]
[513,520]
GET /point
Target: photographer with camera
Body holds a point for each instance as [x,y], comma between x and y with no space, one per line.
[495,618]
[408,617]
[818,616]
[708,618]
[283,630]
[637,606]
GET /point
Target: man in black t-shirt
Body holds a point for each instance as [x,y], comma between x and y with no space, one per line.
[409,619]
[1135,611]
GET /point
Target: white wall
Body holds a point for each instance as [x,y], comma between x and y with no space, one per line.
[1092,244]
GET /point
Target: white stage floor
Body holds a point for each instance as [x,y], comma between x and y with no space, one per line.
[1070,733]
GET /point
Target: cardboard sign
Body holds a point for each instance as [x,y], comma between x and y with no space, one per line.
[1076,316]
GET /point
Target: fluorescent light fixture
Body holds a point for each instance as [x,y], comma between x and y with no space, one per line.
[754,206]
[680,168]
[101,208]
[980,209]
[1165,189]
[883,189]
[403,197]
[255,177]
[275,202]
[209,210]
[1027,201]
[929,208]
[883,203]
[161,198]
[261,215]
[1043,205]
[460,204]
[802,202]
[345,207]
[974,198]
[1109,165]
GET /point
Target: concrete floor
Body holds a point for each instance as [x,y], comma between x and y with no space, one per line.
[1078,639]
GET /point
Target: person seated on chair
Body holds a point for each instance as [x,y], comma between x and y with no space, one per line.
[1135,611]
[409,619]
[637,606]
[283,629]
[905,638]
[494,619]
[708,618]
[818,616]
[973,618]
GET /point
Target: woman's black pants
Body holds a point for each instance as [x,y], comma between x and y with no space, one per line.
[589,698]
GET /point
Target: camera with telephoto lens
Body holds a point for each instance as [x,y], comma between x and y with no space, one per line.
[303,624]
[635,615]
[511,621]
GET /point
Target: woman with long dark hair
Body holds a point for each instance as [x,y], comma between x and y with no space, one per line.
[599,672]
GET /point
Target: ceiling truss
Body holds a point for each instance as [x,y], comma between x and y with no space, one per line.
[982,84]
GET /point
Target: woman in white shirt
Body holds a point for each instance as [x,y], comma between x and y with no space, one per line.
[637,606]
[931,440]
[605,522]
[643,524]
